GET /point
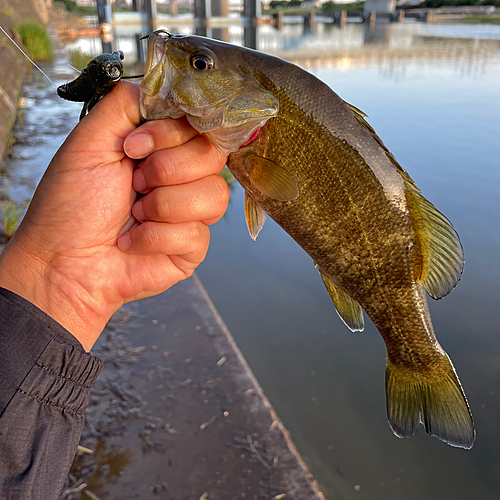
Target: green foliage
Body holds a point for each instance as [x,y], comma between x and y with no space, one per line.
[79,59]
[436,4]
[12,213]
[70,5]
[35,39]
[473,19]
[79,10]
[285,3]
[228,177]
[329,7]
[7,10]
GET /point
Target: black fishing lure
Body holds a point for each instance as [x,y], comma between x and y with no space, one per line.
[104,71]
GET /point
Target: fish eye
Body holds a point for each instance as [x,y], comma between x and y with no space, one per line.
[201,62]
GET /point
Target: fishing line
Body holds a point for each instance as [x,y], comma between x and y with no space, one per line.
[25,55]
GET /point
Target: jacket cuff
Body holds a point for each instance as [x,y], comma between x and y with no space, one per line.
[41,358]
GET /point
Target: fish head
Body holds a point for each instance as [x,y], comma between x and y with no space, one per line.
[209,82]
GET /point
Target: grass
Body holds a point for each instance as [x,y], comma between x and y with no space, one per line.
[35,39]
[79,59]
[228,177]
[13,213]
[290,11]
[479,19]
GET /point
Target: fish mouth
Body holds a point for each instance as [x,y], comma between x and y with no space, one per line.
[158,77]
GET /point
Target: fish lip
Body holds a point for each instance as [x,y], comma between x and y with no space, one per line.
[160,105]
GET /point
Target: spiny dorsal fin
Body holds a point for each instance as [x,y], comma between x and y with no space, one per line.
[272,180]
[360,116]
[441,250]
[347,308]
[357,110]
[434,398]
[440,247]
[254,216]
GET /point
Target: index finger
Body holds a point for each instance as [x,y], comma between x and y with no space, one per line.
[156,135]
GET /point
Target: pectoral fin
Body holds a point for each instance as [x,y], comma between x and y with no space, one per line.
[272,180]
[254,216]
[347,308]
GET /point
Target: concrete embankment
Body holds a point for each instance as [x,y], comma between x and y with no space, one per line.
[13,66]
[177,411]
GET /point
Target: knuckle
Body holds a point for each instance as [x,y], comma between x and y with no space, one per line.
[163,169]
[221,190]
[159,205]
[152,236]
[196,232]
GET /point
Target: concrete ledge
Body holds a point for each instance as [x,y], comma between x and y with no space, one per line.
[178,412]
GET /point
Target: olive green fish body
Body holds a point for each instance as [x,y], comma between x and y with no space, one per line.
[311,162]
[337,218]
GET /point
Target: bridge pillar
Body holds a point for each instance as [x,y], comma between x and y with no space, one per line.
[220,8]
[251,13]
[202,11]
[309,18]
[150,7]
[278,19]
[398,16]
[340,18]
[173,8]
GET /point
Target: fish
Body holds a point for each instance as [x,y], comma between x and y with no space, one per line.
[312,162]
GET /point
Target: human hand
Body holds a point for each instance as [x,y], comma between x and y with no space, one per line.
[79,254]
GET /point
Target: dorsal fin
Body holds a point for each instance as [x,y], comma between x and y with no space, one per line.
[440,247]
[441,251]
[348,309]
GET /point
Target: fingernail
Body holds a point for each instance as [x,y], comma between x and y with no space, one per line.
[139,182]
[138,211]
[138,145]
[124,241]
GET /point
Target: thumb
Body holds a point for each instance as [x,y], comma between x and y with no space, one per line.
[110,121]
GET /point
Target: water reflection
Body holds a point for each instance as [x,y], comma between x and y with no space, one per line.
[390,46]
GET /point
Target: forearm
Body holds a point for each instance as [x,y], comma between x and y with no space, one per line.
[45,379]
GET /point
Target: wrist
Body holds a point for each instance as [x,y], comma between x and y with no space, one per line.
[36,280]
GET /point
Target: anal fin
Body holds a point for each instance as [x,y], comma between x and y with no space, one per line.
[350,312]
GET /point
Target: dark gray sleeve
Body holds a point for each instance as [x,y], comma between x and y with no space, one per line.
[45,380]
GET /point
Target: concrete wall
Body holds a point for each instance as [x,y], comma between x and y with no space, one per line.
[13,66]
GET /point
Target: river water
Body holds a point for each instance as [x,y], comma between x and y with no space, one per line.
[433,94]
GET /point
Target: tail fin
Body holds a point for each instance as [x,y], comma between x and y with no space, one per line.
[434,398]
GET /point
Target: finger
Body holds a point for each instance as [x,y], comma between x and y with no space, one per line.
[157,135]
[188,239]
[115,116]
[204,200]
[187,163]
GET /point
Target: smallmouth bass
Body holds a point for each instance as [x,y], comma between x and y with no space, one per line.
[312,162]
